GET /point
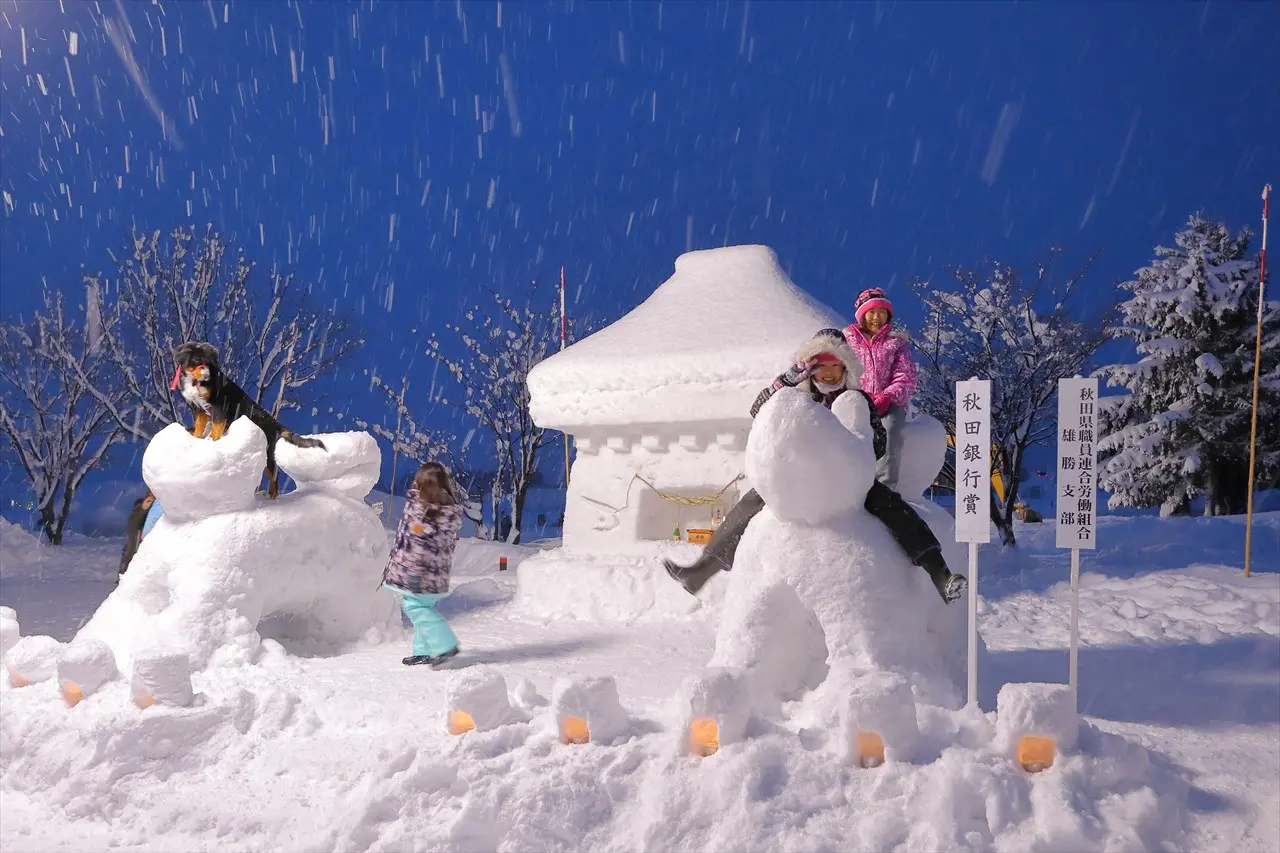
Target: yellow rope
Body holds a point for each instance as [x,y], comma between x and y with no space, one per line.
[667,496]
[683,501]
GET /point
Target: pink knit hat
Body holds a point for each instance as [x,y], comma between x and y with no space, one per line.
[872,297]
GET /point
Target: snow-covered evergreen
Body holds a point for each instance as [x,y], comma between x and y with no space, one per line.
[1182,427]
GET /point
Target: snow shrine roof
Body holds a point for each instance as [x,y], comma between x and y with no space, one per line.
[698,349]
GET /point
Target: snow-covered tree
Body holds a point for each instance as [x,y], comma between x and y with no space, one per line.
[499,348]
[1023,336]
[1181,427]
[56,389]
[270,341]
[418,443]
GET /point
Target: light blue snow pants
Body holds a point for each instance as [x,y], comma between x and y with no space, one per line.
[432,636]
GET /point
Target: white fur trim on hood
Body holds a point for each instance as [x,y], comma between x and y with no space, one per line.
[841,350]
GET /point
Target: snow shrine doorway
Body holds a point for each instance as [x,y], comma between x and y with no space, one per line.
[669,513]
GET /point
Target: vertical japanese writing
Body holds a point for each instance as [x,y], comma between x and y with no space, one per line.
[1077,461]
[973,461]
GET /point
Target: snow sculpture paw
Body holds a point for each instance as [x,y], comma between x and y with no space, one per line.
[194,478]
[350,463]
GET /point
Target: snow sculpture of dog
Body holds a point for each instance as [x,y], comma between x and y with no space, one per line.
[820,597]
[222,560]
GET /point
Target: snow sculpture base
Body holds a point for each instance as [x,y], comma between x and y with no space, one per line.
[222,561]
[587,710]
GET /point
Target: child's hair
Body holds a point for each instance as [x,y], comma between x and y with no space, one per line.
[434,485]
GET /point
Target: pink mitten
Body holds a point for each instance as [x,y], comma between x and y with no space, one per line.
[882,403]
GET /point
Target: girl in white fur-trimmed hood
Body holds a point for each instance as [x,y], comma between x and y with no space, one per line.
[826,367]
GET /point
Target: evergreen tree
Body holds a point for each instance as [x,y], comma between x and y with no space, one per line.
[1182,428]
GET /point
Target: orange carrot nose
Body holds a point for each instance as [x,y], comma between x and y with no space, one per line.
[177,374]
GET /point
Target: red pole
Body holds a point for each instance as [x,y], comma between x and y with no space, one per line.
[1257,367]
[564,336]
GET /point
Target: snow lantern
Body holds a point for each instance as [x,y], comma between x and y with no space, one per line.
[83,668]
[477,700]
[32,660]
[1036,721]
[162,677]
[715,709]
[659,402]
[587,709]
[880,720]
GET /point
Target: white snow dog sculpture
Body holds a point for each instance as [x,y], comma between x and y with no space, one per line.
[821,604]
[222,560]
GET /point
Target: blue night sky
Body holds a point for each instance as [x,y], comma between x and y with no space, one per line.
[403,154]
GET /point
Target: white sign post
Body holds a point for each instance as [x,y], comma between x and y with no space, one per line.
[1077,508]
[973,494]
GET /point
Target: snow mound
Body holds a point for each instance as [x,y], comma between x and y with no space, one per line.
[559,584]
[819,589]
[350,463]
[699,348]
[222,561]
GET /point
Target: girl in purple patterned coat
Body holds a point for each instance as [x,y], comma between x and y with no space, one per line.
[420,561]
[888,373]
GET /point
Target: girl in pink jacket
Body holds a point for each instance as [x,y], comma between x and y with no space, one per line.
[888,374]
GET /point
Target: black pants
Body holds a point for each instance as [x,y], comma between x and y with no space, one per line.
[905,525]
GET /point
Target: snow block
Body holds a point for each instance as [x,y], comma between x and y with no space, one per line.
[588,709]
[222,562]
[194,478]
[161,677]
[882,704]
[350,464]
[10,633]
[1036,710]
[723,696]
[84,666]
[477,699]
[32,660]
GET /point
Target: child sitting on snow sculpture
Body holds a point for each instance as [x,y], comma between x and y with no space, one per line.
[826,367]
[888,373]
[420,561]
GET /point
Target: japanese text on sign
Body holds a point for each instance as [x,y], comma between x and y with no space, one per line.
[1077,463]
[973,461]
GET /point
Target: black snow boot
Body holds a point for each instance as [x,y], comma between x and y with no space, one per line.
[439,659]
[692,578]
[948,584]
[718,554]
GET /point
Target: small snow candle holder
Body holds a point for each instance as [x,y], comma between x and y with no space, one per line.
[1035,723]
[477,701]
[161,677]
[83,668]
[880,720]
[32,660]
[715,708]
[587,709]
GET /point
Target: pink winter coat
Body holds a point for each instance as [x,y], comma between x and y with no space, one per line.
[886,361]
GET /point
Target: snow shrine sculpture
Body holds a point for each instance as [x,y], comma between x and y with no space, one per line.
[222,560]
[821,605]
[659,406]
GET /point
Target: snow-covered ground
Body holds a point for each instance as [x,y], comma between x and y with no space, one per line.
[343,748]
